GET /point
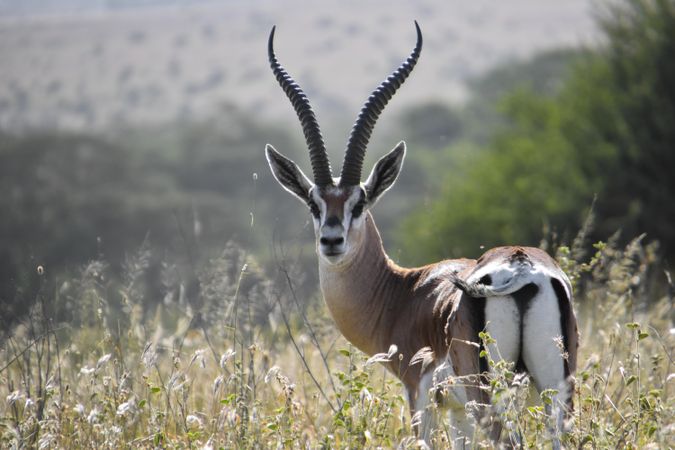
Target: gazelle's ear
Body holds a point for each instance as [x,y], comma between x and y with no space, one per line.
[384,173]
[288,174]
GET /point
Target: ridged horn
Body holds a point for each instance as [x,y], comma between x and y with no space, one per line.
[310,126]
[363,128]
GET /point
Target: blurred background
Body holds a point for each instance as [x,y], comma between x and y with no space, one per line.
[132,132]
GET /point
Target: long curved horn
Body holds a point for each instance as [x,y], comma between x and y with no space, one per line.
[310,127]
[358,140]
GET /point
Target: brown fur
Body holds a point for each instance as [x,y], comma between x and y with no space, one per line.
[376,303]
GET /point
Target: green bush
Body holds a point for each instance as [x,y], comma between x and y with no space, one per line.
[608,131]
[185,189]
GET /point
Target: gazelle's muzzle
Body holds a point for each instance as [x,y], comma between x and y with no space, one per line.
[332,237]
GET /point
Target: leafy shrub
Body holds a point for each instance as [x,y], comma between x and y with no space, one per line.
[606,131]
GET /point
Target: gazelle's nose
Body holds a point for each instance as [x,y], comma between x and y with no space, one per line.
[332,237]
[331,241]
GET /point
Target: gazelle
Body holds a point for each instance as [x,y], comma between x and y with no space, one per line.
[432,314]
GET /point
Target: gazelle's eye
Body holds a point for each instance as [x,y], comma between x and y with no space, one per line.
[314,209]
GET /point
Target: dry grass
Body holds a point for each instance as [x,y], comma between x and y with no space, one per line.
[248,370]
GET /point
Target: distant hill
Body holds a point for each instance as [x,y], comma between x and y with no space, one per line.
[42,7]
[93,64]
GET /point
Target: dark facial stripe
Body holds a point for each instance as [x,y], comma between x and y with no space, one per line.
[314,208]
[358,207]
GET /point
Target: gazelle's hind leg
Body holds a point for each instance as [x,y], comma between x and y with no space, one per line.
[544,356]
[502,322]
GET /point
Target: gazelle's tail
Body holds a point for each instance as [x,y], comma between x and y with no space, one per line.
[497,280]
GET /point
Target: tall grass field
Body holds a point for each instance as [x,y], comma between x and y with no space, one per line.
[235,359]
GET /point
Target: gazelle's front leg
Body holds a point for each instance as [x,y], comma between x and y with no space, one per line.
[439,408]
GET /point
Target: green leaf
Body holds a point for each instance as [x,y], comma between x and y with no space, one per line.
[227,400]
[155,389]
[588,438]
[193,435]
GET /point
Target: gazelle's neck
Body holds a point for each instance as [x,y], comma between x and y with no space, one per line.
[360,293]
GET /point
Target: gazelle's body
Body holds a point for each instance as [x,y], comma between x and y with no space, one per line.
[376,304]
[432,314]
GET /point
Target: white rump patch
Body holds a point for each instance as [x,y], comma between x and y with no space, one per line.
[507,277]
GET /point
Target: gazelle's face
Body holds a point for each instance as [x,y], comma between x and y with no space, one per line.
[338,214]
[338,211]
[338,208]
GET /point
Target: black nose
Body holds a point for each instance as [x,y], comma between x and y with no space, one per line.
[331,241]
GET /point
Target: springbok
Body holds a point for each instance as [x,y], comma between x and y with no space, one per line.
[432,314]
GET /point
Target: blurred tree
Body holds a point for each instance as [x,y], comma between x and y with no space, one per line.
[428,129]
[640,121]
[431,125]
[609,130]
[71,198]
[183,190]
[544,75]
[499,196]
